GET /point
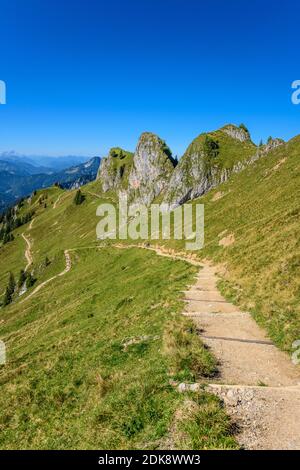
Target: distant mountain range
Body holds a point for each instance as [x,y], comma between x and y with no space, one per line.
[20,176]
[43,163]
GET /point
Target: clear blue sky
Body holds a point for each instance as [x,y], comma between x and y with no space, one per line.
[83,76]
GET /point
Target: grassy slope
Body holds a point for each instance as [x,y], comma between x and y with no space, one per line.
[231,151]
[261,208]
[61,388]
[69,381]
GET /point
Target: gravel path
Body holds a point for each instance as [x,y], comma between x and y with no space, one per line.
[258,383]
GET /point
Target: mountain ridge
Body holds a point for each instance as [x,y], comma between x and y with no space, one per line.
[151,172]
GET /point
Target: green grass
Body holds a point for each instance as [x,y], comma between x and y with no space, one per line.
[91,355]
[231,151]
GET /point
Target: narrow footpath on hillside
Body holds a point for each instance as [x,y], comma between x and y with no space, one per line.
[28,253]
[28,250]
[258,383]
[62,273]
[57,201]
[29,258]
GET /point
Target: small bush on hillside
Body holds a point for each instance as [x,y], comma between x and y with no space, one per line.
[22,278]
[30,280]
[211,147]
[79,198]
[10,289]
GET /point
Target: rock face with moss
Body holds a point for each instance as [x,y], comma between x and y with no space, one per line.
[152,174]
[240,133]
[273,143]
[152,168]
[114,170]
[210,160]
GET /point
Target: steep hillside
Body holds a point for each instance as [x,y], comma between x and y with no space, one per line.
[251,222]
[209,161]
[152,174]
[93,344]
[115,169]
[152,167]
[98,328]
[252,231]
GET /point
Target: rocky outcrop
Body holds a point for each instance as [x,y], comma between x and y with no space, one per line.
[114,170]
[209,162]
[152,168]
[239,133]
[272,144]
[151,171]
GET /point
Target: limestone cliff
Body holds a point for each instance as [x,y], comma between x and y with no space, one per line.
[209,160]
[151,172]
[114,170]
[152,168]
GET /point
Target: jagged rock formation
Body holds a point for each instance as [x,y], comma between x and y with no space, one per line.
[239,133]
[114,170]
[152,168]
[272,144]
[151,172]
[208,162]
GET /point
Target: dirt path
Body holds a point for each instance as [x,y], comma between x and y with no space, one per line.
[29,258]
[94,194]
[31,224]
[43,284]
[108,198]
[28,253]
[57,201]
[258,383]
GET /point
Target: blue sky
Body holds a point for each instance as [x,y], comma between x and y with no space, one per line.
[83,76]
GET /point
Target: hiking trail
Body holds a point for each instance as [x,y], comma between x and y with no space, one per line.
[29,258]
[28,252]
[66,270]
[257,382]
